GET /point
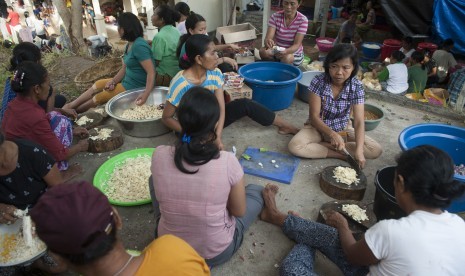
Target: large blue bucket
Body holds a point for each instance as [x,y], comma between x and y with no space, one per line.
[450,139]
[273,83]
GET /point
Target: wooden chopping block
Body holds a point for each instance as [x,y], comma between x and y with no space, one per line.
[113,142]
[342,191]
[97,119]
[357,228]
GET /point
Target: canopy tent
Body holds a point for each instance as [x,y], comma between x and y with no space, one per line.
[411,17]
[448,21]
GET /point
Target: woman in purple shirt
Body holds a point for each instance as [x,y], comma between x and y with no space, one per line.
[332,96]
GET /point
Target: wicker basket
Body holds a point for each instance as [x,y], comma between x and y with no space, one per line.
[104,69]
[311,52]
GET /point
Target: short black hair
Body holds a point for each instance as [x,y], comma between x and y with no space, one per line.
[342,51]
[24,51]
[448,42]
[182,8]
[131,26]
[428,173]
[398,55]
[169,16]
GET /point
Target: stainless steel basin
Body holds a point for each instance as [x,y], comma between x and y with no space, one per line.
[138,128]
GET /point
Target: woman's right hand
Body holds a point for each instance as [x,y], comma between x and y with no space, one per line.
[269,43]
[337,141]
[83,145]
[110,85]
[7,213]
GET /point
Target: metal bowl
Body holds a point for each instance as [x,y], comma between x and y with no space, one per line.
[138,128]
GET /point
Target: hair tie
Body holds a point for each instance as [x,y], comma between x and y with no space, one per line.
[185,57]
[186,138]
[438,197]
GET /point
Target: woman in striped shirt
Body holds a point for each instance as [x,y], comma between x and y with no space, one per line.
[286,30]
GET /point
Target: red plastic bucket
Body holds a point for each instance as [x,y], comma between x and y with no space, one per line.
[389,46]
[427,47]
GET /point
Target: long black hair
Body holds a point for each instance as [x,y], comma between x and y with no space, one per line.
[27,75]
[196,45]
[169,16]
[191,22]
[428,174]
[198,114]
[24,51]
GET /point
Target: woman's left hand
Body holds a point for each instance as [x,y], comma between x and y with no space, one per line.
[336,220]
[141,99]
[81,132]
[233,47]
[232,62]
[219,143]
[360,158]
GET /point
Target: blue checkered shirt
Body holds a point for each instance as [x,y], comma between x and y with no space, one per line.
[335,112]
[457,81]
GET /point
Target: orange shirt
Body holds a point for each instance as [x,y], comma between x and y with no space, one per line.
[169,255]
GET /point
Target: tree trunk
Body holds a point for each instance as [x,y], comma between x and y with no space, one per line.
[72,21]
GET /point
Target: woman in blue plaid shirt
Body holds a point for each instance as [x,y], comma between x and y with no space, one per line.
[332,96]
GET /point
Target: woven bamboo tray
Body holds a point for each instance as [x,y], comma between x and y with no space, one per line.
[103,69]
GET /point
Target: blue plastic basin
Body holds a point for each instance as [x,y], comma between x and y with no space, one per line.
[450,139]
[371,53]
[273,83]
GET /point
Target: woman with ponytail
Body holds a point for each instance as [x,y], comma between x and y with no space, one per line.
[27,51]
[417,73]
[428,241]
[25,119]
[198,190]
[199,64]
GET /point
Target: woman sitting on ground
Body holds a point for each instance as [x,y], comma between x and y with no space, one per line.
[199,64]
[26,51]
[286,29]
[394,77]
[417,75]
[138,69]
[164,44]
[25,119]
[214,209]
[332,96]
[428,241]
[196,24]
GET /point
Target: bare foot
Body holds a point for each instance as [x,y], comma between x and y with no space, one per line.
[72,171]
[270,212]
[294,213]
[288,130]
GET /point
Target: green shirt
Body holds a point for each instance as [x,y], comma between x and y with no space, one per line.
[136,76]
[417,78]
[164,46]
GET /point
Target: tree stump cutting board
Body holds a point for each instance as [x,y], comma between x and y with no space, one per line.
[94,116]
[342,191]
[357,228]
[113,142]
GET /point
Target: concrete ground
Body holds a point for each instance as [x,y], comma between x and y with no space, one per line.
[302,195]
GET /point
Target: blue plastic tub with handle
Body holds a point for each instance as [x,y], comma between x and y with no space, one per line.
[450,139]
[273,83]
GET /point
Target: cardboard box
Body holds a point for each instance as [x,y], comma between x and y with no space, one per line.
[231,94]
[236,33]
[245,60]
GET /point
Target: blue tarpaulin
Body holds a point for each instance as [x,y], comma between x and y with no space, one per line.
[449,22]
